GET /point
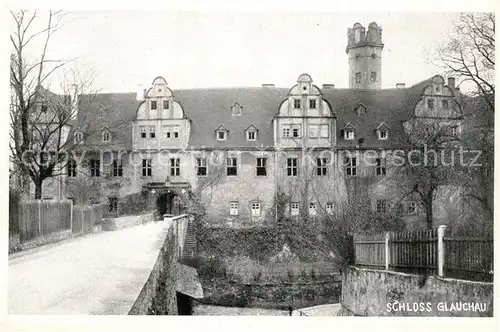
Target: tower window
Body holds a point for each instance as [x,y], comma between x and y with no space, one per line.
[381,206]
[373,76]
[411,207]
[358,77]
[152,133]
[143,131]
[445,104]
[146,167]
[285,131]
[296,131]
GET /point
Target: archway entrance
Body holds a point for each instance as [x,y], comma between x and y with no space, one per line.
[168,203]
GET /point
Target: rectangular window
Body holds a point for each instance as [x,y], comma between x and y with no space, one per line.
[152,133]
[411,207]
[201,166]
[175,167]
[261,166]
[329,208]
[296,103]
[312,209]
[430,104]
[296,131]
[153,104]
[381,206]
[294,209]
[312,103]
[285,131]
[251,135]
[313,131]
[105,136]
[454,130]
[113,204]
[166,104]
[233,208]
[176,132]
[72,168]
[351,166]
[221,135]
[349,134]
[445,104]
[381,170]
[143,131]
[382,134]
[373,76]
[321,169]
[146,167]
[95,167]
[358,77]
[323,131]
[117,168]
[291,166]
[232,166]
[255,209]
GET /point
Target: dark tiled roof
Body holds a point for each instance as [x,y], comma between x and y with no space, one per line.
[210,108]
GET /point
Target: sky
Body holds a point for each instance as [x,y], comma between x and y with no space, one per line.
[202,49]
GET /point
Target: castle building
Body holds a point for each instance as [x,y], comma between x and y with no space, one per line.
[242,148]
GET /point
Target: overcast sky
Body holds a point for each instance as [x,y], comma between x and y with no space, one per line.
[214,48]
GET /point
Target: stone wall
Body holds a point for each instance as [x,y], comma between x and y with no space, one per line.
[368,292]
[275,295]
[112,224]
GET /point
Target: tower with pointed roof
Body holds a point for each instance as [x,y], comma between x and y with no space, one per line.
[364,50]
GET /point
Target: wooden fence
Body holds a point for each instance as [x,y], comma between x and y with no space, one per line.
[43,217]
[441,251]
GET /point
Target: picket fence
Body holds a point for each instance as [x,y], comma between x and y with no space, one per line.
[441,251]
[43,217]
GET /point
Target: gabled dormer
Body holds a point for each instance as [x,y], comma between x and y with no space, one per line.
[251,133]
[349,132]
[360,109]
[221,133]
[236,109]
[105,135]
[382,131]
[77,136]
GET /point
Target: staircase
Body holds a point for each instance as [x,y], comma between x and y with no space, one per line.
[190,242]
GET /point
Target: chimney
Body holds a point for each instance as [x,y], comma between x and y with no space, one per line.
[451,83]
[140,93]
[74,100]
[328,86]
[268,85]
[400,85]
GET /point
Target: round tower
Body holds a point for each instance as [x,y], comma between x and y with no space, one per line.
[364,49]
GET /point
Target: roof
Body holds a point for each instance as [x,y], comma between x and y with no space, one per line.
[209,109]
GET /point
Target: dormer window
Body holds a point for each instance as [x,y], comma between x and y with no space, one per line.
[236,109]
[166,104]
[221,135]
[251,133]
[106,137]
[382,134]
[382,131]
[78,137]
[349,134]
[360,110]
[153,105]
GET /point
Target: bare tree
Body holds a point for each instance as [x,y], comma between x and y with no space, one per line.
[41,121]
[470,56]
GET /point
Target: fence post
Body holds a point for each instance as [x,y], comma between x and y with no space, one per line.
[387,251]
[40,230]
[71,217]
[441,253]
